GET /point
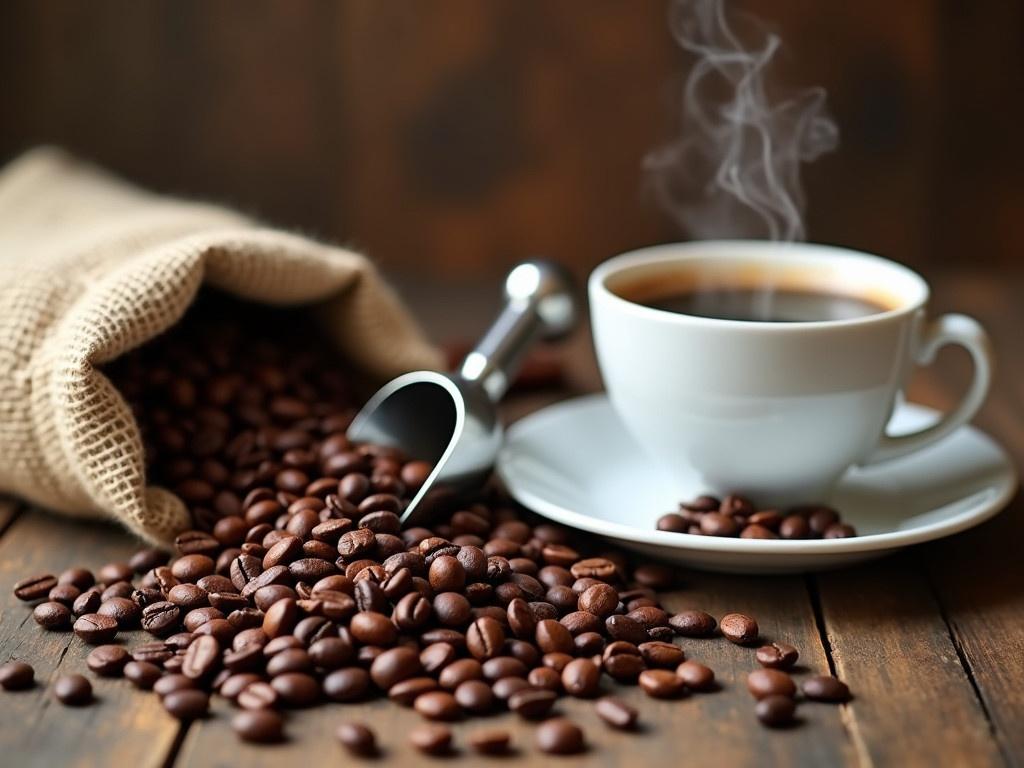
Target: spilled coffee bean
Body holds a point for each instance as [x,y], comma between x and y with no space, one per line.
[737,516]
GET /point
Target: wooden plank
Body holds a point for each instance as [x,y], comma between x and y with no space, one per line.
[125,727]
[914,704]
[708,729]
[976,576]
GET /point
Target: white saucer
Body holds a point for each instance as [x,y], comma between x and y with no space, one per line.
[575,464]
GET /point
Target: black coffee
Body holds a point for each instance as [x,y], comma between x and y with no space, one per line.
[766,306]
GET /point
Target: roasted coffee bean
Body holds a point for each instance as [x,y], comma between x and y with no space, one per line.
[156,652]
[626,629]
[661,684]
[187,704]
[673,522]
[431,739]
[161,618]
[826,688]
[775,711]
[660,654]
[717,524]
[172,682]
[65,594]
[373,628]
[280,618]
[543,677]
[348,684]
[95,628]
[259,726]
[839,531]
[80,577]
[770,682]
[595,568]
[484,638]
[108,660]
[654,575]
[757,532]
[142,674]
[490,741]
[16,676]
[777,656]
[437,705]
[739,629]
[202,658]
[553,637]
[559,736]
[73,690]
[436,657]
[395,665]
[407,691]
[616,713]
[257,695]
[696,676]
[52,616]
[581,678]
[122,610]
[532,703]
[693,623]
[296,689]
[504,687]
[357,738]
[87,602]
[794,527]
[35,587]
[474,696]
[600,600]
[589,644]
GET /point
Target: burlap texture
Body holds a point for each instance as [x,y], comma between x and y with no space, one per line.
[90,268]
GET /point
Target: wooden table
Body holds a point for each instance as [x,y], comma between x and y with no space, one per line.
[931,640]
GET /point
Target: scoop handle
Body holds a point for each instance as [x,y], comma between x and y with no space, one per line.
[538,303]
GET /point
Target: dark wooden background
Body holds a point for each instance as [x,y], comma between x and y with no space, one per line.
[457,135]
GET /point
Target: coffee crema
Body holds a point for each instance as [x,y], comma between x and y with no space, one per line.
[764,305]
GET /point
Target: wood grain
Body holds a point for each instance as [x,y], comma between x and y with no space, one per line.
[124,727]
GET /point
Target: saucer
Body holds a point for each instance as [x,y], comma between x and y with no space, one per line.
[575,464]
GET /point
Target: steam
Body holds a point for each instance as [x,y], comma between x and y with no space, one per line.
[735,170]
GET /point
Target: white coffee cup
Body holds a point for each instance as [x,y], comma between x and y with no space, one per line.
[776,410]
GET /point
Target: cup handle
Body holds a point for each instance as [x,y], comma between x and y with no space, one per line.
[948,329]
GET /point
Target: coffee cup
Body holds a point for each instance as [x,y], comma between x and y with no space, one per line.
[769,368]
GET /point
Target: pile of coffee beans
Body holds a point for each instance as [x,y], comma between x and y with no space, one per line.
[298,584]
[737,516]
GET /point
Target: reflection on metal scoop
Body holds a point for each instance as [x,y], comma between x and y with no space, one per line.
[450,420]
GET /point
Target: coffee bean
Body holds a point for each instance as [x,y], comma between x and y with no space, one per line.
[280,618]
[79,577]
[484,638]
[202,658]
[474,696]
[160,619]
[395,665]
[142,674]
[357,738]
[437,705]
[452,609]
[16,676]
[73,690]
[794,527]
[661,683]
[171,683]
[777,656]
[95,628]
[436,657]
[52,616]
[626,629]
[581,678]
[696,676]
[543,677]
[775,711]
[553,637]
[661,654]
[259,726]
[739,629]
[257,695]
[108,660]
[122,610]
[673,523]
[717,524]
[594,568]
[826,688]
[599,600]
[459,671]
[373,628]
[532,703]
[616,713]
[34,587]
[296,689]
[187,704]
[87,602]
[431,739]
[770,682]
[559,736]
[839,531]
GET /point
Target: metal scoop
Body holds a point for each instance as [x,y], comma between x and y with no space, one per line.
[450,420]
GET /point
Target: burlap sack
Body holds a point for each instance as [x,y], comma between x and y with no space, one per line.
[91,268]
